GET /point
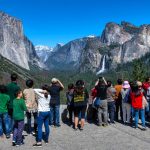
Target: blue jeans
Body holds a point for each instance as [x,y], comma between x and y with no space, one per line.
[142,113]
[111,111]
[4,119]
[11,120]
[43,117]
[54,115]
[147,108]
[132,112]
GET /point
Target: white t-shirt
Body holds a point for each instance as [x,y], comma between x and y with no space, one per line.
[43,102]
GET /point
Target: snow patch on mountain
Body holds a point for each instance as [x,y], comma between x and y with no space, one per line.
[43,52]
[91,36]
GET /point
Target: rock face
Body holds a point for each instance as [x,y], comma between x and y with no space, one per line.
[13,44]
[115,34]
[135,48]
[76,55]
[118,44]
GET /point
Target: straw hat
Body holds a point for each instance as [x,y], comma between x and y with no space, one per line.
[54,80]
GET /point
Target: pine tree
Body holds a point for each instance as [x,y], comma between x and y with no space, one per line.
[139,70]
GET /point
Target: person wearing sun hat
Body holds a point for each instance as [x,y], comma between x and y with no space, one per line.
[54,90]
[126,106]
[54,80]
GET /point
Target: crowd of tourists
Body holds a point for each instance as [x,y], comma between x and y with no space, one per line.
[106,104]
[43,104]
[124,102]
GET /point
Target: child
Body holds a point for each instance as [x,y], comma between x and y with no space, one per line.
[69,95]
[18,115]
[4,119]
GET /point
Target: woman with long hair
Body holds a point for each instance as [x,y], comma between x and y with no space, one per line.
[43,114]
[138,103]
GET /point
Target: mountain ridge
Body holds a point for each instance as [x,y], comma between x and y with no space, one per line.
[121,43]
[14,45]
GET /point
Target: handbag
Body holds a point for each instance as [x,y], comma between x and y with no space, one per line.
[96,102]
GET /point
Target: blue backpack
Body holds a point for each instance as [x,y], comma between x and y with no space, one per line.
[127,98]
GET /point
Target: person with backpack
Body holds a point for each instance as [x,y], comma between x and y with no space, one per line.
[138,103]
[4,119]
[43,115]
[126,104]
[54,90]
[11,90]
[101,100]
[30,100]
[70,103]
[118,100]
[111,92]
[81,97]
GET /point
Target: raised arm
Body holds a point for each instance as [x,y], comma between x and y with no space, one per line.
[62,86]
[39,92]
[104,81]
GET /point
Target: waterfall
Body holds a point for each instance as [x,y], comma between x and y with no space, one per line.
[103,66]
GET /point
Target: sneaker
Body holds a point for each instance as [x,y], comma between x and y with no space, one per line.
[11,133]
[70,124]
[13,143]
[33,133]
[105,125]
[46,142]
[37,145]
[22,143]
[57,126]
[17,145]
[75,129]
[124,123]
[7,136]
[81,129]
[143,128]
[99,125]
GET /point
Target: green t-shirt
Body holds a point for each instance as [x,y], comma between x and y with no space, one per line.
[18,109]
[11,90]
[4,100]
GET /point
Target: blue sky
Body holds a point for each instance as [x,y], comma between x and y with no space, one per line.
[48,22]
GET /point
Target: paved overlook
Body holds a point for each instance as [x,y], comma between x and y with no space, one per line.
[113,137]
